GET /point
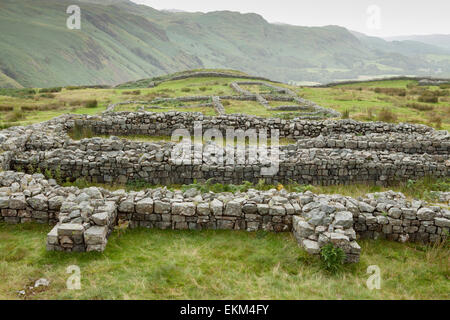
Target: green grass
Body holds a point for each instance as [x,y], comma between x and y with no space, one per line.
[380,84]
[361,101]
[156,264]
[413,189]
[364,104]
[256,109]
[41,108]
[81,133]
[207,111]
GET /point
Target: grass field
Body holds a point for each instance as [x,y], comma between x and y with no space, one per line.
[155,264]
[386,100]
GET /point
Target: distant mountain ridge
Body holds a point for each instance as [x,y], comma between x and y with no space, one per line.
[121,41]
[438,40]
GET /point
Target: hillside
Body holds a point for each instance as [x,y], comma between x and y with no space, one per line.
[121,41]
[439,40]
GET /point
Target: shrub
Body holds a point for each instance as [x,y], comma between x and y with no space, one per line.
[346,114]
[332,257]
[74,87]
[18,93]
[420,107]
[436,121]
[186,89]
[5,126]
[80,183]
[29,108]
[14,116]
[428,98]
[386,115]
[53,106]
[134,92]
[370,112]
[138,184]
[47,95]
[91,104]
[75,103]
[50,90]
[6,108]
[203,88]
[391,91]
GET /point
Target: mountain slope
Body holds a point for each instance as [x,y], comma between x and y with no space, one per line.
[112,45]
[439,40]
[121,41]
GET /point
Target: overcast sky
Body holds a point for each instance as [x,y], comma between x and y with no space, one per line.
[396,17]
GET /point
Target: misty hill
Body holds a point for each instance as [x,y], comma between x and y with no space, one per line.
[121,41]
[439,40]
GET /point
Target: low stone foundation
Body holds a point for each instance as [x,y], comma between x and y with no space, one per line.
[85,218]
[326,152]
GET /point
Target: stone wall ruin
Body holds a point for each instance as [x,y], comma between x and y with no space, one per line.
[325,152]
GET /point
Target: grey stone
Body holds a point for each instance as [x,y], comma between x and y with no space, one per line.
[55,203]
[425,214]
[442,222]
[233,208]
[17,202]
[344,219]
[203,209]
[145,206]
[312,247]
[127,206]
[4,202]
[183,208]
[302,228]
[70,229]
[216,207]
[315,217]
[162,207]
[95,235]
[395,213]
[93,193]
[100,219]
[364,207]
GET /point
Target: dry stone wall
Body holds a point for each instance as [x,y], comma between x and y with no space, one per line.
[163,124]
[285,94]
[326,152]
[84,218]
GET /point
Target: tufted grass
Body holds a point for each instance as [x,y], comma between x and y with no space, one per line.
[424,188]
[156,264]
[364,104]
